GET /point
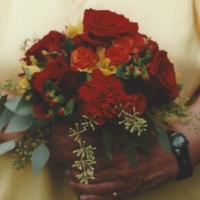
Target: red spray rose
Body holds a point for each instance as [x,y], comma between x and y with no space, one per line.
[162,69]
[153,46]
[102,26]
[50,42]
[138,101]
[83,57]
[117,55]
[134,44]
[100,96]
[57,71]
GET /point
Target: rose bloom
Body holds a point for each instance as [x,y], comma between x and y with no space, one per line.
[59,73]
[100,96]
[50,42]
[134,44]
[117,56]
[137,101]
[83,58]
[102,26]
[153,46]
[163,70]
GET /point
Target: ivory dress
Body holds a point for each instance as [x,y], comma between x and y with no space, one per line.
[175,25]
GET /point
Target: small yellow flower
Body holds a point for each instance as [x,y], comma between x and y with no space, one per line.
[23,84]
[104,63]
[72,31]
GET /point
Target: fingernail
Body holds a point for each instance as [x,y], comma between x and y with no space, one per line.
[83,197]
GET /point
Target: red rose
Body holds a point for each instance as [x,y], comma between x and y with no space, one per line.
[102,26]
[134,44]
[58,72]
[163,70]
[153,46]
[83,57]
[117,55]
[100,96]
[50,42]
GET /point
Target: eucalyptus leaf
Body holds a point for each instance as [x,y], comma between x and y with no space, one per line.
[163,138]
[11,104]
[107,139]
[130,152]
[2,102]
[39,158]
[5,117]
[70,106]
[20,123]
[7,146]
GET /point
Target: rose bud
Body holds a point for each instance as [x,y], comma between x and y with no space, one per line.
[48,116]
[136,57]
[61,111]
[131,68]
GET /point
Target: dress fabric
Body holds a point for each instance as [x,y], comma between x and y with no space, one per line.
[175,25]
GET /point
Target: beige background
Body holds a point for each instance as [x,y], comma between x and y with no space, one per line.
[175,25]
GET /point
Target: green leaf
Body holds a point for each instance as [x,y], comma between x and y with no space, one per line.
[7,146]
[48,86]
[143,141]
[107,139]
[68,45]
[39,124]
[20,123]
[2,102]
[25,104]
[70,106]
[5,117]
[121,72]
[130,152]
[39,158]
[163,138]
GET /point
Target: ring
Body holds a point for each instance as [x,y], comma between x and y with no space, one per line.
[115,194]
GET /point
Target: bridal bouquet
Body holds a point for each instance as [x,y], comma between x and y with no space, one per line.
[98,76]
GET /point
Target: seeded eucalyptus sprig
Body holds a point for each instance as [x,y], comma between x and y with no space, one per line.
[27,43]
[85,153]
[26,145]
[132,122]
[7,85]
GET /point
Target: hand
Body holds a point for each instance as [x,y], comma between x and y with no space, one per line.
[4,137]
[61,145]
[118,179]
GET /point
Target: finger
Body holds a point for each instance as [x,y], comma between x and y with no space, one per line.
[113,196]
[11,136]
[98,189]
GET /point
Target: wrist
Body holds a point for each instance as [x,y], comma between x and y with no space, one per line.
[179,147]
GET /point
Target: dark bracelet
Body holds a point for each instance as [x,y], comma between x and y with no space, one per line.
[179,146]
